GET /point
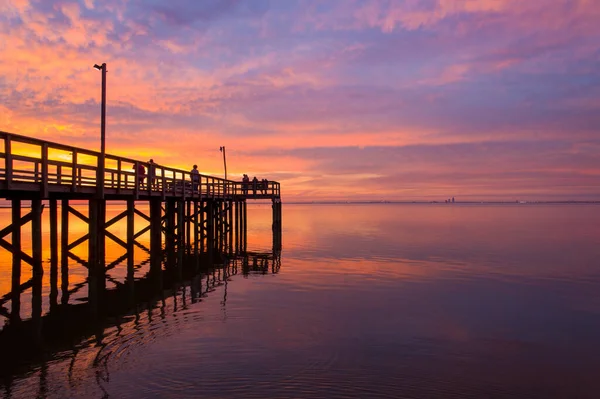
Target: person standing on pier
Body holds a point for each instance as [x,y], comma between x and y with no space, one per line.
[254,184]
[245,182]
[141,174]
[195,178]
[152,173]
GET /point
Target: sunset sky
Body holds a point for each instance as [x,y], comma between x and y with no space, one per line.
[336,99]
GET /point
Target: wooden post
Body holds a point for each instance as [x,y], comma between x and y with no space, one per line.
[170,232]
[102,244]
[195,221]
[64,252]
[130,235]
[119,166]
[45,170]
[37,270]
[136,181]
[15,314]
[245,221]
[230,225]
[180,237]
[156,235]
[188,225]
[236,223]
[74,172]
[53,253]
[217,223]
[196,257]
[8,161]
[202,225]
[93,261]
[210,229]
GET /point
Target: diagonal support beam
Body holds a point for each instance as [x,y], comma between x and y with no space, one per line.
[115,219]
[6,245]
[142,231]
[147,218]
[77,242]
[78,214]
[116,239]
[9,229]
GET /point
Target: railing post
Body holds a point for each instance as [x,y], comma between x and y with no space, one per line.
[149,178]
[100,176]
[8,160]
[136,180]
[44,170]
[74,172]
[164,184]
[118,176]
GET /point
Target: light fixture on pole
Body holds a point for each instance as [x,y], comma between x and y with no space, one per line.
[101,161]
[222,149]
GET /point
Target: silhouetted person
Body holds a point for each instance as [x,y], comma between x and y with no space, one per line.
[141,174]
[152,173]
[195,178]
[254,185]
[245,182]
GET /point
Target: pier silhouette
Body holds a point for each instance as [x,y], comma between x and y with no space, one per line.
[197,230]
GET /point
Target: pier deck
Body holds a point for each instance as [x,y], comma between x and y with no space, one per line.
[42,169]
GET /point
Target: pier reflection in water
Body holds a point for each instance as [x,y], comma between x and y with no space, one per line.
[67,328]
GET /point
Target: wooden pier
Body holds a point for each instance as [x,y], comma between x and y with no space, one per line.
[198,221]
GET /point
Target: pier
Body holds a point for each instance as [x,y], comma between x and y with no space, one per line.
[194,225]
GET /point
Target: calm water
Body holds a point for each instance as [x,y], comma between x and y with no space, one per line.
[390,301]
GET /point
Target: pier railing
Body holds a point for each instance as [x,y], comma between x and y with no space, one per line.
[31,164]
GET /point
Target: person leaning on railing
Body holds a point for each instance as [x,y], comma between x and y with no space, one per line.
[141,173]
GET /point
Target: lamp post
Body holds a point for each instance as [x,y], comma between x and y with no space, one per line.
[222,149]
[101,163]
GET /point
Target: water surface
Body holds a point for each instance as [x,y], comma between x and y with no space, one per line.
[390,301]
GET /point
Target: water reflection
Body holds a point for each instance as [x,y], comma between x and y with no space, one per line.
[125,312]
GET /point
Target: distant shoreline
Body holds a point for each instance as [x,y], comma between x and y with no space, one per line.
[440,202]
